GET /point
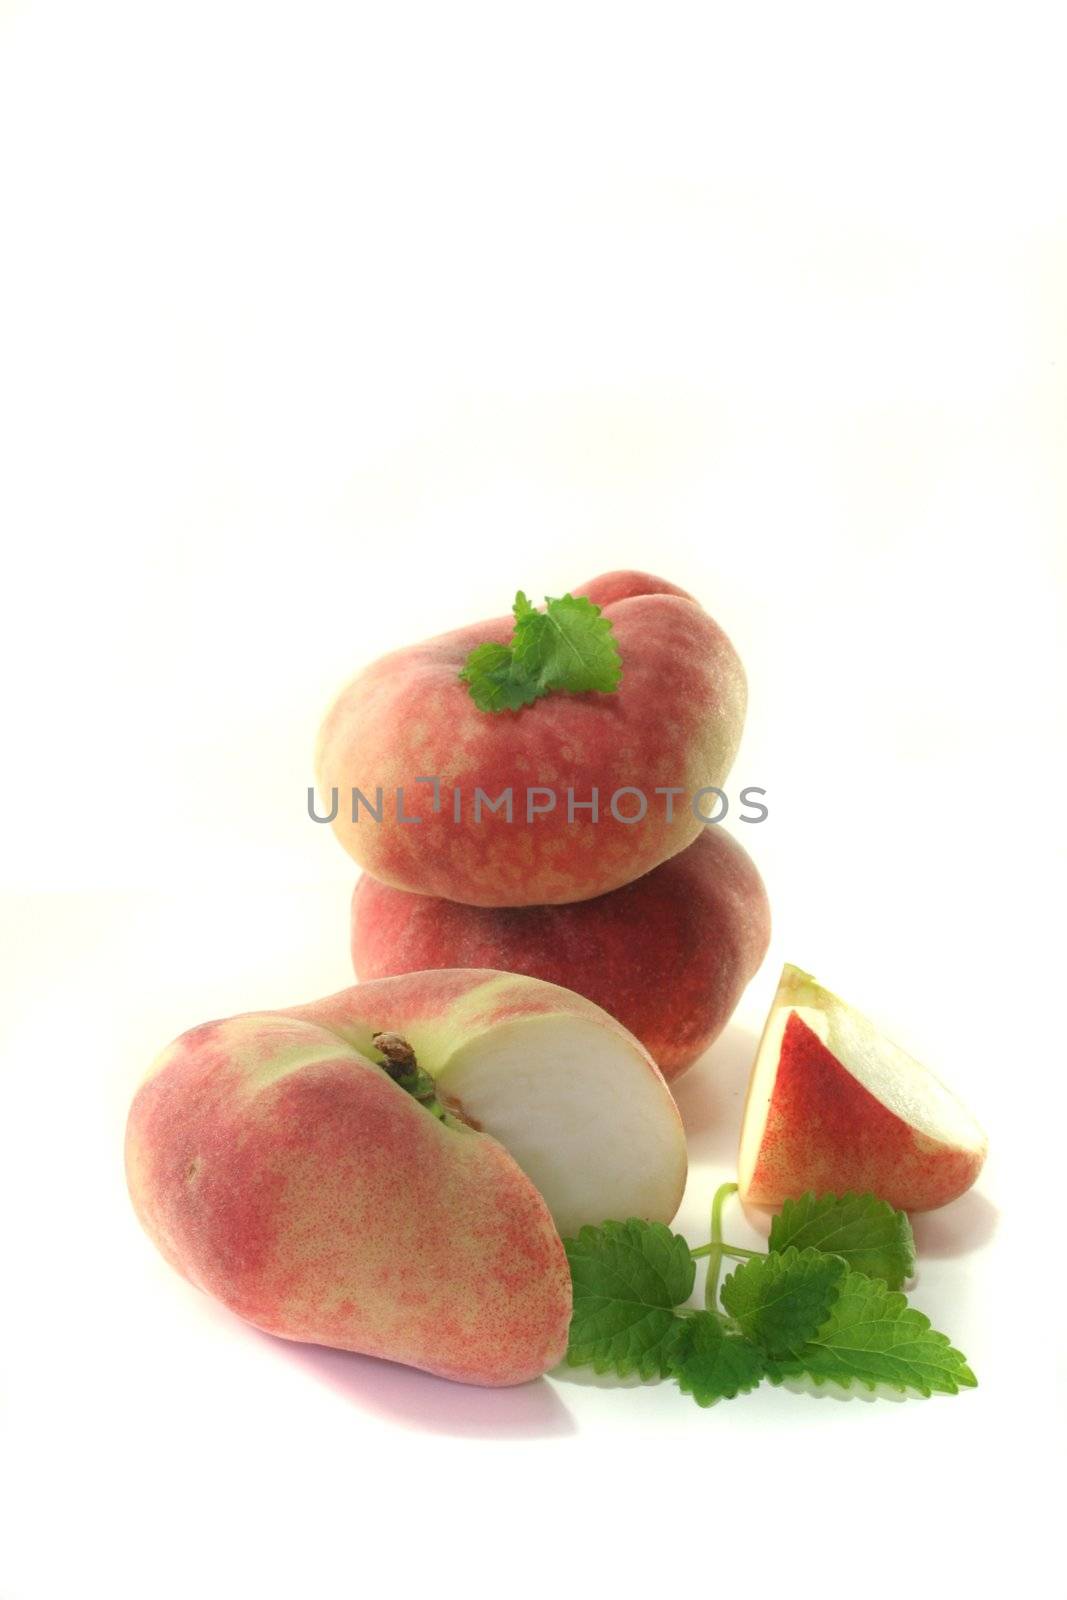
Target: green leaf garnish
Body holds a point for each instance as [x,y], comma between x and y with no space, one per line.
[567,648]
[873,1336]
[494,680]
[711,1364]
[793,1312]
[781,1300]
[627,1277]
[867,1232]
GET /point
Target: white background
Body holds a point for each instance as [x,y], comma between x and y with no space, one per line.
[327,327]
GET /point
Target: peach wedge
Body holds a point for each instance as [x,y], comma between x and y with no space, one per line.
[834,1106]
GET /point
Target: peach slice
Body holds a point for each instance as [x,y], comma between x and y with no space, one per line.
[833,1105]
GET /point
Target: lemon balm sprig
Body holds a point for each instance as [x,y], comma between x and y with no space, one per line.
[822,1302]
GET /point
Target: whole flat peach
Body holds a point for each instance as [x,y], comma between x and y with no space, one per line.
[673,724]
[668,954]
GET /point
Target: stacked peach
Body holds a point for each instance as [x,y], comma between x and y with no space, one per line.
[598,870]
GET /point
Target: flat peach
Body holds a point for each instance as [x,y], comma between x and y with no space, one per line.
[668,954]
[674,723]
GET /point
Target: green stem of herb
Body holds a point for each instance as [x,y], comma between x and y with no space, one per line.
[715,1252]
[733,1250]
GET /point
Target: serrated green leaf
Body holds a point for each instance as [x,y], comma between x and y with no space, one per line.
[867,1232]
[711,1364]
[627,1277]
[782,1299]
[873,1336]
[494,682]
[568,648]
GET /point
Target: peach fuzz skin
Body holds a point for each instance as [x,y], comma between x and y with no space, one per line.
[675,722]
[668,955]
[278,1167]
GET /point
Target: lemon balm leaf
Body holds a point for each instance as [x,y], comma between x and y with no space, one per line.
[872,1336]
[493,680]
[627,1279]
[781,1300]
[711,1364]
[568,648]
[866,1232]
